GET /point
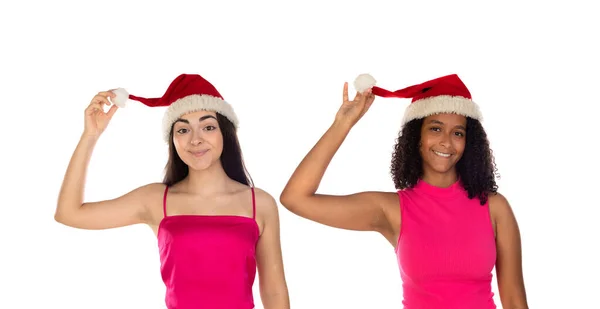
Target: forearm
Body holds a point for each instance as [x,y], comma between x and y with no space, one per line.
[278,299]
[72,190]
[515,307]
[519,303]
[308,175]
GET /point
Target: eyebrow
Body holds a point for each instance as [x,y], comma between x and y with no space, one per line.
[441,123]
[207,117]
[201,119]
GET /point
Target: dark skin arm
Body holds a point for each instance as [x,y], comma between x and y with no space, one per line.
[509,268]
[362,211]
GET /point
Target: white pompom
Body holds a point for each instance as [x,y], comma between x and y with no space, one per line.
[120,98]
[364,82]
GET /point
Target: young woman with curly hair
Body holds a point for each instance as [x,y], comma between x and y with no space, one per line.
[448,224]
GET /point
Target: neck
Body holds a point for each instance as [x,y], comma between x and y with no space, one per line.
[208,181]
[442,180]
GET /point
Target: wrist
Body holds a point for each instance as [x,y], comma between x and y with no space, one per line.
[341,126]
[89,138]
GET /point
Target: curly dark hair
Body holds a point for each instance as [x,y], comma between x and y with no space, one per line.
[476,168]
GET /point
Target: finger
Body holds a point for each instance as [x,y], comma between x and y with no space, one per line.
[95,107]
[370,100]
[112,111]
[359,98]
[369,103]
[95,104]
[345,92]
[107,93]
[101,99]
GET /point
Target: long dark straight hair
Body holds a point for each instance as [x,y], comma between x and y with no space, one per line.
[231,158]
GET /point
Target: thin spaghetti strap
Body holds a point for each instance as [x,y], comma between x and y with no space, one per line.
[165,201]
[253,204]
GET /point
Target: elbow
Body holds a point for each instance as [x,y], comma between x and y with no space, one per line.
[65,220]
[59,216]
[284,199]
[292,202]
[287,199]
[62,216]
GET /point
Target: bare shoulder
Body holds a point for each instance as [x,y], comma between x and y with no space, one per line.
[265,202]
[152,194]
[390,204]
[388,200]
[496,198]
[155,187]
[150,191]
[500,207]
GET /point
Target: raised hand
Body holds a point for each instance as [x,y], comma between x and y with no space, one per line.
[352,111]
[96,119]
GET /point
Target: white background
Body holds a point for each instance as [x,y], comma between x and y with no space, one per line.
[533,68]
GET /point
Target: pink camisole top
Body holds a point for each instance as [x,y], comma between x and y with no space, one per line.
[208,261]
[446,249]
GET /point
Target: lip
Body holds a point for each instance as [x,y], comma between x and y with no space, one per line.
[199,153]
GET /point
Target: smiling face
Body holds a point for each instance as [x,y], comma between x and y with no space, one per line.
[198,139]
[442,143]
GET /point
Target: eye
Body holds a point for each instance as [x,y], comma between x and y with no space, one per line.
[435,129]
[461,134]
[210,128]
[182,131]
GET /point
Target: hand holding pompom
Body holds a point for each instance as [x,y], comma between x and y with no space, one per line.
[96,119]
[352,111]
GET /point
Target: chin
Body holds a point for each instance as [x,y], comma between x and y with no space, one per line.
[198,165]
[443,168]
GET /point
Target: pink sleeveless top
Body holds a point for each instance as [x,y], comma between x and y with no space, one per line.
[208,261]
[446,250]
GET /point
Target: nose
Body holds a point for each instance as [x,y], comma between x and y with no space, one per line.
[445,140]
[197,138]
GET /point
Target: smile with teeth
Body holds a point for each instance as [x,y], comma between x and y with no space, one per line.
[441,154]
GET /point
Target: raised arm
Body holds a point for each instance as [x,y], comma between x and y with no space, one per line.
[509,262]
[361,211]
[71,210]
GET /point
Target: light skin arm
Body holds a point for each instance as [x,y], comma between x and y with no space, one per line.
[71,210]
[273,287]
[509,269]
[360,211]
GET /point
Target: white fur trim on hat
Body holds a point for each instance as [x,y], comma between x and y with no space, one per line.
[442,104]
[194,103]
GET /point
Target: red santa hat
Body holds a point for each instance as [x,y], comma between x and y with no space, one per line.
[446,94]
[187,93]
